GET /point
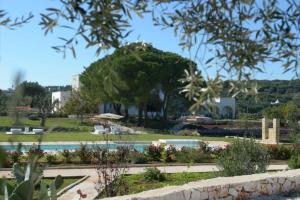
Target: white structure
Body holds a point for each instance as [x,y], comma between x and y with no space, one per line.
[225,107]
[76,82]
[62,97]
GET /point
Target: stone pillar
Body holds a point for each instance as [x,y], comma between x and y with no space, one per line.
[264,129]
[275,132]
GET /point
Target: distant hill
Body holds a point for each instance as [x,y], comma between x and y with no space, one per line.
[268,91]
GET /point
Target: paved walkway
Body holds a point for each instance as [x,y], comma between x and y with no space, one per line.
[134,170]
[88,185]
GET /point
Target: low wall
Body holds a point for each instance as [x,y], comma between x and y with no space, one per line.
[226,188]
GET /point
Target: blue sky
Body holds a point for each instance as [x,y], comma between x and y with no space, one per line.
[27,49]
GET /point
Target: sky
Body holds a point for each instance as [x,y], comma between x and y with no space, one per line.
[28,51]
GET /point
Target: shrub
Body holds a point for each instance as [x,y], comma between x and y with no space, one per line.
[50,158]
[171,154]
[67,155]
[33,117]
[154,152]
[85,154]
[138,158]
[192,155]
[294,162]
[15,156]
[187,132]
[279,152]
[36,151]
[154,174]
[243,157]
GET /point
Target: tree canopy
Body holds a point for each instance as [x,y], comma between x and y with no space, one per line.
[36,96]
[134,75]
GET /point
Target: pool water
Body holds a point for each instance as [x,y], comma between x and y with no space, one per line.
[111,146]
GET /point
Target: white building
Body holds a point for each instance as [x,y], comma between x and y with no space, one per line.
[226,106]
[76,82]
[62,97]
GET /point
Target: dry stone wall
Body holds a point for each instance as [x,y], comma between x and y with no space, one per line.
[226,188]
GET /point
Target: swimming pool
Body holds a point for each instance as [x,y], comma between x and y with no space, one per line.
[139,146]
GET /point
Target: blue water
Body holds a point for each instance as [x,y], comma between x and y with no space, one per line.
[112,146]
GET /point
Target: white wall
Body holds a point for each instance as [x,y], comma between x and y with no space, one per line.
[75,82]
[62,97]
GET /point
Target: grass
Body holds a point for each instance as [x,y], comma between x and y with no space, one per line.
[48,181]
[137,182]
[82,134]
[86,136]
[50,122]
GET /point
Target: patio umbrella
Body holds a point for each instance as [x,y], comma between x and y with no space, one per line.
[109,116]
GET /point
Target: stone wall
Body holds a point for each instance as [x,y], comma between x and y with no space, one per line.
[226,188]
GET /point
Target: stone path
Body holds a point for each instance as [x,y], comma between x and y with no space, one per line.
[134,170]
[87,187]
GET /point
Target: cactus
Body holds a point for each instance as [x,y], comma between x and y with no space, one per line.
[27,179]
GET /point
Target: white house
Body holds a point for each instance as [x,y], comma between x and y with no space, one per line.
[226,106]
[62,97]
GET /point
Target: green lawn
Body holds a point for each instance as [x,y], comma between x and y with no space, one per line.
[86,136]
[50,122]
[48,181]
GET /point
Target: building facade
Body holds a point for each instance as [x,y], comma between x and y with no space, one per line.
[225,107]
[61,97]
[76,82]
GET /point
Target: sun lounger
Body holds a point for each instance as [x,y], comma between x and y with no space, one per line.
[115,130]
[15,131]
[37,130]
[99,129]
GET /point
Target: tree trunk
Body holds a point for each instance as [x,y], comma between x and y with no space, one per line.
[81,118]
[165,107]
[126,113]
[140,115]
[145,113]
[43,120]
[117,108]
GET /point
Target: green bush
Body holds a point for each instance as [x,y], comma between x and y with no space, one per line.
[191,155]
[85,154]
[67,155]
[187,132]
[50,158]
[294,162]
[243,157]
[138,158]
[154,174]
[279,152]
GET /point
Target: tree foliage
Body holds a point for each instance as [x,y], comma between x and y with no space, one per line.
[3,103]
[136,74]
[240,35]
[37,97]
[78,105]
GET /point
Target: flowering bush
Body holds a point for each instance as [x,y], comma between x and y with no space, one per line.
[279,152]
[154,152]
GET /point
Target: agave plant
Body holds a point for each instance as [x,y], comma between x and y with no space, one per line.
[28,179]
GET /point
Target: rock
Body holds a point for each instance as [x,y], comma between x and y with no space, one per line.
[233,192]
